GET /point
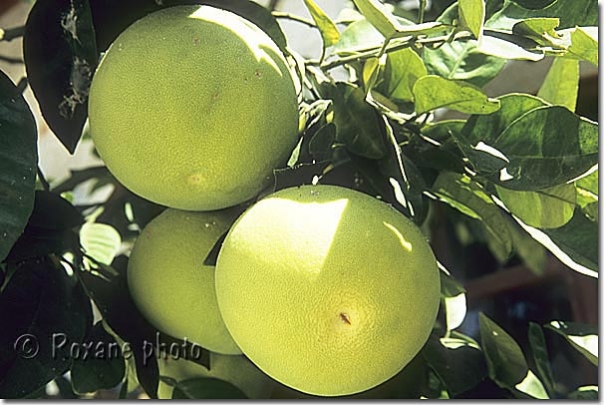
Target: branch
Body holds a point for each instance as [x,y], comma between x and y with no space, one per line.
[11,33]
[293,17]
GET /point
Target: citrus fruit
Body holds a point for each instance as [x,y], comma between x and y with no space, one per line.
[169,283]
[237,370]
[192,107]
[327,290]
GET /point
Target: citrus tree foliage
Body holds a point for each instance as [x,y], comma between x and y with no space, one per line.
[522,168]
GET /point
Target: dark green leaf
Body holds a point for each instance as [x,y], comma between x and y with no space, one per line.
[582,337]
[506,363]
[432,92]
[358,124]
[457,360]
[119,311]
[437,147]
[535,4]
[575,244]
[589,392]
[18,162]
[321,144]
[206,388]
[77,177]
[488,128]
[43,312]
[561,147]
[59,49]
[100,364]
[540,356]
[552,207]
[450,287]
[50,228]
[570,12]
[587,195]
[469,197]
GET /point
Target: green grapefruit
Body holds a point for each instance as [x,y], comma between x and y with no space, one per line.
[327,290]
[169,283]
[192,107]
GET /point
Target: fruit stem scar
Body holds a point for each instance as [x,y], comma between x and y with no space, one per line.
[344,317]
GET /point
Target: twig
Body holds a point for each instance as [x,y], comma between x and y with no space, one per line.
[293,17]
[421,11]
[273,5]
[397,46]
[11,60]
[45,184]
[11,33]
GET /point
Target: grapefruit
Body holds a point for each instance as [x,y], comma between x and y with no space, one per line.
[327,290]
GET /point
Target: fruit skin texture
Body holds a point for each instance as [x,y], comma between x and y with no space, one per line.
[237,370]
[193,107]
[327,290]
[169,283]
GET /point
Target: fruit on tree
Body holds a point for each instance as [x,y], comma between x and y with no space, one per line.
[237,370]
[327,290]
[192,107]
[169,282]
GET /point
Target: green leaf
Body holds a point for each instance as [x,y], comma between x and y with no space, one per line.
[471,15]
[575,244]
[561,147]
[329,32]
[100,365]
[455,310]
[18,162]
[206,388]
[508,46]
[357,37]
[392,27]
[540,356]
[357,122]
[548,208]
[100,241]
[39,305]
[537,27]
[378,16]
[587,195]
[561,85]
[468,197]
[532,387]
[583,46]
[463,60]
[402,70]
[432,92]
[582,337]
[505,361]
[588,392]
[457,360]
